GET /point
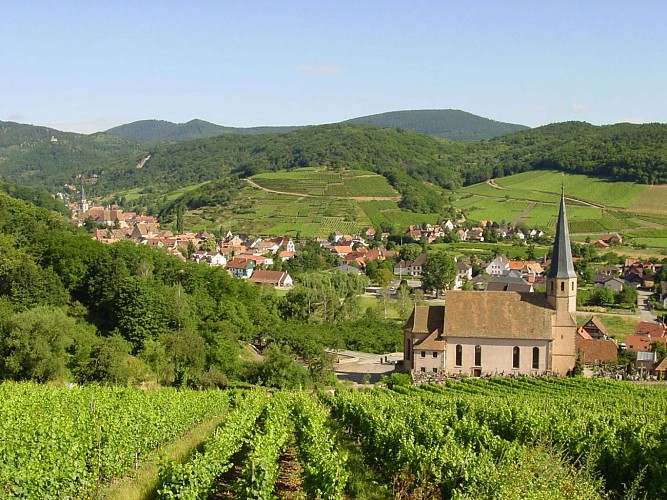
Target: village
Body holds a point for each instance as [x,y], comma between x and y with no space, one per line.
[260,260]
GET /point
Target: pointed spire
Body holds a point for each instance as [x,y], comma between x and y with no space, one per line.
[561,258]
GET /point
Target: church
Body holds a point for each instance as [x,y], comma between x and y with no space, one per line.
[494,333]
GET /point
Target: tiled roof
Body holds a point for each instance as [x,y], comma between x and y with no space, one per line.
[426,319]
[433,342]
[597,323]
[509,315]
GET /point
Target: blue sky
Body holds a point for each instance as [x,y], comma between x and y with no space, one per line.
[88,65]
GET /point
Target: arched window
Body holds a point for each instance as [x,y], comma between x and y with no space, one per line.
[516,357]
[536,358]
[562,286]
[478,355]
[459,355]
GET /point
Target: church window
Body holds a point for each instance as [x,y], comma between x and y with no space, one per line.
[573,286]
[552,286]
[562,286]
[478,355]
[536,358]
[516,357]
[459,355]
[423,354]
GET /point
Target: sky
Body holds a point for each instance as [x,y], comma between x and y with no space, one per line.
[86,66]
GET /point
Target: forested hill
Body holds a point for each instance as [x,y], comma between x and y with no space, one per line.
[38,197]
[446,123]
[622,152]
[404,157]
[48,158]
[150,131]
[450,124]
[28,155]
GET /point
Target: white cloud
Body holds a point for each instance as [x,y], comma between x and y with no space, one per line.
[320,69]
[578,107]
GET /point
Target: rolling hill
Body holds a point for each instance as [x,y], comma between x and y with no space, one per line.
[151,131]
[450,124]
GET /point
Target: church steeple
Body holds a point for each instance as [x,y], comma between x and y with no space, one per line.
[561,278]
[561,258]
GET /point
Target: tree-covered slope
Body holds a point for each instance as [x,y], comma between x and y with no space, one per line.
[149,131]
[450,124]
[623,151]
[48,158]
[405,157]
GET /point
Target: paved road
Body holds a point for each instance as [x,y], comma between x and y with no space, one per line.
[642,306]
[354,366]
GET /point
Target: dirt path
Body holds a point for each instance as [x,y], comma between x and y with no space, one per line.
[494,185]
[288,484]
[227,482]
[519,218]
[304,195]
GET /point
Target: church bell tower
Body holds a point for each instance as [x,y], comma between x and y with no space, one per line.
[562,296]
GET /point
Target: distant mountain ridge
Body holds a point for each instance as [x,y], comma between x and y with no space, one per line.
[449,124]
[452,124]
[152,131]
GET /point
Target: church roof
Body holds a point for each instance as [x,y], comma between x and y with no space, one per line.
[503,315]
[426,319]
[433,341]
[561,260]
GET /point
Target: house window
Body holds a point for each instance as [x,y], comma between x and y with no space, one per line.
[478,355]
[435,370]
[423,369]
[459,355]
[423,354]
[435,354]
[536,358]
[516,357]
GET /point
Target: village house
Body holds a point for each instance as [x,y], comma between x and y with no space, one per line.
[593,343]
[610,282]
[241,267]
[498,266]
[509,281]
[463,273]
[213,259]
[480,333]
[279,279]
[410,268]
[644,335]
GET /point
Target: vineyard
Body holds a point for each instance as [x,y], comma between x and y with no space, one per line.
[498,438]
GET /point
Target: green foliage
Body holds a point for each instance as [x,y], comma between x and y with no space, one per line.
[438,272]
